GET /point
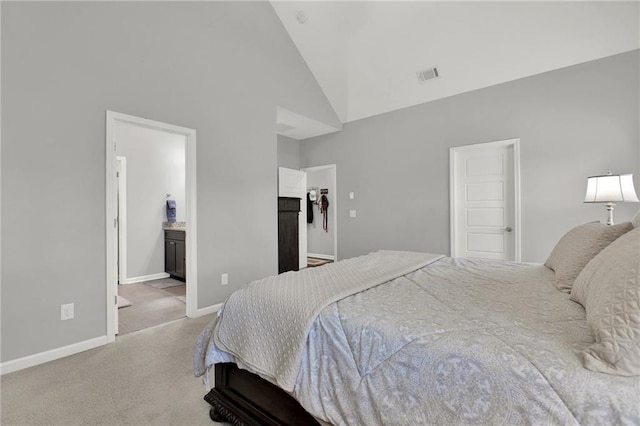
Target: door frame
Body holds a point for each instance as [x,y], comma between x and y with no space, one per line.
[453,173]
[121,260]
[287,188]
[333,190]
[111,213]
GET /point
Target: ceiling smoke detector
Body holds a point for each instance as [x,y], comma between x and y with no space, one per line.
[427,74]
[301,17]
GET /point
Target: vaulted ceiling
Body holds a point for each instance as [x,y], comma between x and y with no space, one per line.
[365,54]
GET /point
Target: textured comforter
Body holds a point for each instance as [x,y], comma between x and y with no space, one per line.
[457,342]
[287,304]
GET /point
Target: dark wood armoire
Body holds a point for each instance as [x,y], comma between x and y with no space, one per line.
[288,256]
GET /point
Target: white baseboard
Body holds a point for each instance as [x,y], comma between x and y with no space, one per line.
[142,278]
[50,355]
[321,256]
[53,354]
[208,310]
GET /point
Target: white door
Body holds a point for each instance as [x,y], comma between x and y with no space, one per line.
[122,220]
[121,205]
[293,183]
[121,197]
[485,200]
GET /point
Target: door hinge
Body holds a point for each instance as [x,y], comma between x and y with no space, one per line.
[117,174]
[114,145]
[115,299]
[115,222]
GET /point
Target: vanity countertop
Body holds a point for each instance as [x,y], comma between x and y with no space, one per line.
[174,226]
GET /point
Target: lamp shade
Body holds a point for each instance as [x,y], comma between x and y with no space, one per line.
[610,188]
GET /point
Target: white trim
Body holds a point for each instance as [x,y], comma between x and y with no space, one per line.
[112,238]
[0,182]
[191,210]
[453,205]
[518,201]
[143,278]
[303,241]
[50,355]
[65,351]
[122,220]
[321,256]
[208,310]
[517,205]
[334,190]
[191,228]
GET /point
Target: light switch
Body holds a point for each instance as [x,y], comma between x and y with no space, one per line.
[352,213]
[351,196]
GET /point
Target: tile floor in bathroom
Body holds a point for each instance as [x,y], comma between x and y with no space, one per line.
[152,303]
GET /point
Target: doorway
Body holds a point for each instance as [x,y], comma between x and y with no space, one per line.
[321,224]
[317,237]
[126,234]
[292,184]
[485,200]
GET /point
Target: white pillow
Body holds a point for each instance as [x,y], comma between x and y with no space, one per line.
[609,289]
[578,246]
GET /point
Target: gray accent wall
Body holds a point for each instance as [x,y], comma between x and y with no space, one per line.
[221,68]
[572,123]
[288,153]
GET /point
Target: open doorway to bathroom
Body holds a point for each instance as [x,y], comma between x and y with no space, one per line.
[154,262]
[151,258]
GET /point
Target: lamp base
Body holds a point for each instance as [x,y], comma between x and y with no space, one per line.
[609,207]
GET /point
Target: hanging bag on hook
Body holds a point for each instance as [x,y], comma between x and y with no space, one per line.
[324,206]
[309,208]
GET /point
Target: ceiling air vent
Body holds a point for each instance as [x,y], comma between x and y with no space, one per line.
[427,74]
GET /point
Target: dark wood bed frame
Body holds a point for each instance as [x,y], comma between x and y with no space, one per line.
[243,398]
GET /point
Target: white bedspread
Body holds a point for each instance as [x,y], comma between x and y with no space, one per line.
[268,336]
[460,341]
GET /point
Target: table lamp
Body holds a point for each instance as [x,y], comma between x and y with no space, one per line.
[609,189]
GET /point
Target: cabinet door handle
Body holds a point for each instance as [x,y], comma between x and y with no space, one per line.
[172,242]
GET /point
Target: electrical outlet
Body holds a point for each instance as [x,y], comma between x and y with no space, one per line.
[66,311]
[224,279]
[351,195]
[352,213]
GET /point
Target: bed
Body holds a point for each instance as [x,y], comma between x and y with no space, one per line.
[411,338]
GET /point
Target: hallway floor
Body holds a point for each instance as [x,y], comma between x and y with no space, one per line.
[153,303]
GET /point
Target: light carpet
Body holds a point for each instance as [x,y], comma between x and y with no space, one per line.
[144,378]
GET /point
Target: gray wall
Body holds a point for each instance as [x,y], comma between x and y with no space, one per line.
[572,123]
[288,152]
[218,67]
[155,166]
[319,241]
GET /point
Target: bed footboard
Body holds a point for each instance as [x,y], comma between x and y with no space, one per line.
[243,398]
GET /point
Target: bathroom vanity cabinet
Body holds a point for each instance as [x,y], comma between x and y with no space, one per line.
[175,254]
